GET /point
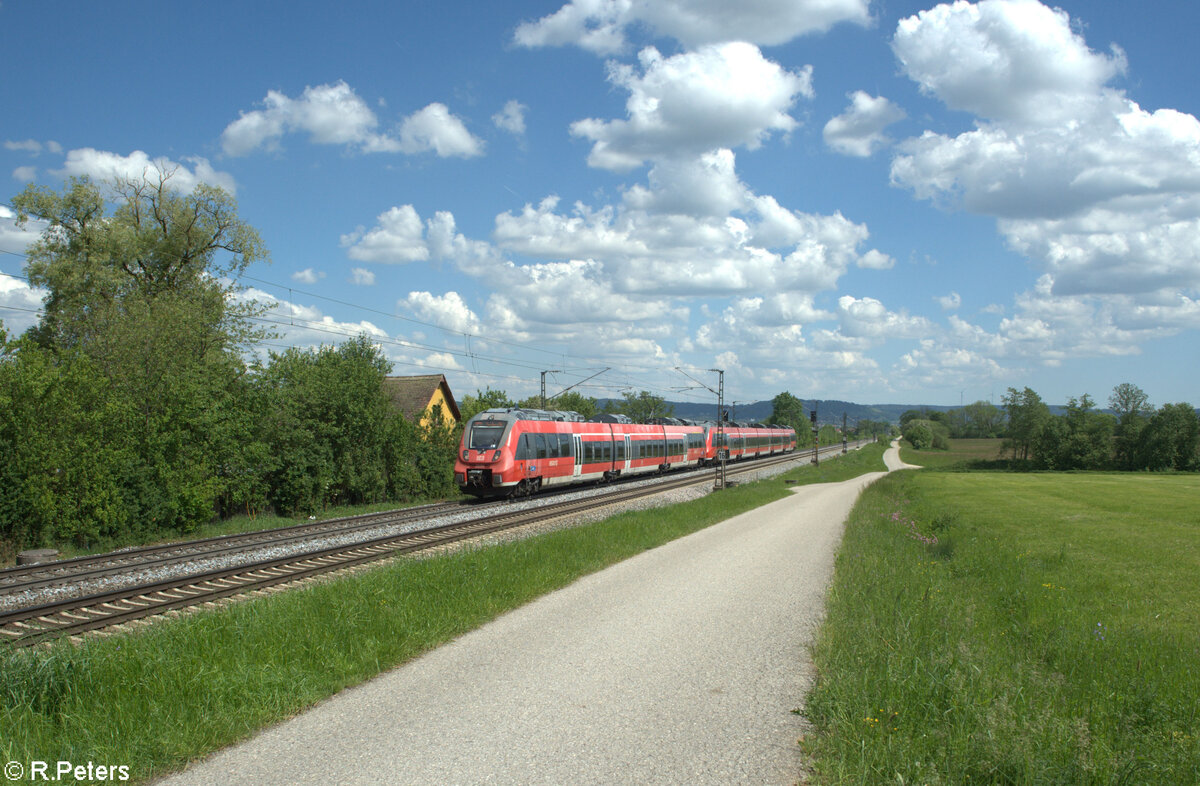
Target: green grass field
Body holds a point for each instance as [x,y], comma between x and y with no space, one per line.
[1050,635]
[182,688]
[963,454]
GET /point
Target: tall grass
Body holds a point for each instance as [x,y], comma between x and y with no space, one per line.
[183,688]
[1051,634]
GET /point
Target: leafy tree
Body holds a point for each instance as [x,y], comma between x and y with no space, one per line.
[483,400]
[787,410]
[1132,408]
[157,242]
[828,435]
[641,406]
[923,434]
[1129,399]
[979,420]
[1170,440]
[1079,439]
[140,348]
[328,415]
[873,428]
[569,401]
[1026,414]
[572,401]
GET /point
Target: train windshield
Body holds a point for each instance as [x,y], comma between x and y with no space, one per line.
[486,435]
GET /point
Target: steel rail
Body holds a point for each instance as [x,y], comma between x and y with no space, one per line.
[48,574]
[28,626]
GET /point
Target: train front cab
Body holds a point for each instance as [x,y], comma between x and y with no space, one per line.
[510,451]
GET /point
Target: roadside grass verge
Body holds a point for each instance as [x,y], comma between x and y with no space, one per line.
[186,687]
[1050,635]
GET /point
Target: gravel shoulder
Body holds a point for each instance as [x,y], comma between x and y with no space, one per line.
[680,665]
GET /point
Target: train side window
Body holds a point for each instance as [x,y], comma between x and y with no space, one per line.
[523,451]
[540,442]
[564,444]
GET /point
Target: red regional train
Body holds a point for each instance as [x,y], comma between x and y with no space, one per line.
[509,452]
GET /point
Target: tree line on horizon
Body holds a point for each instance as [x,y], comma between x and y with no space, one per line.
[1132,436]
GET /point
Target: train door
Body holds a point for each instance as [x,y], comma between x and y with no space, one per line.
[578,454]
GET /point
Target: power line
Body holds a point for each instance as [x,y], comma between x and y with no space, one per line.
[630,368]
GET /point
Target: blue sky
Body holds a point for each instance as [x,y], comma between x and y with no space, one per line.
[885,202]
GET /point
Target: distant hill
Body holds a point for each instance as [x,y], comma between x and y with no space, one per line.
[828,410]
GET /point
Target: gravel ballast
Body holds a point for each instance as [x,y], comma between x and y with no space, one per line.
[190,567]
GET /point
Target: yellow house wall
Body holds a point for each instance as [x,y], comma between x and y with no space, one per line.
[438,398]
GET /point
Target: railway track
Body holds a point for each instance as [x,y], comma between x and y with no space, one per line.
[73,616]
[24,578]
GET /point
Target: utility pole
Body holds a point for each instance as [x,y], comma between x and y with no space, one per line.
[722,449]
[844,451]
[816,459]
[719,434]
[544,373]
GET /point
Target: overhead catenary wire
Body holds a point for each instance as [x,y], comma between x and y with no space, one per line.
[631,369]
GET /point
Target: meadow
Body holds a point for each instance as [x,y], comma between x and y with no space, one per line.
[962,454]
[1013,628]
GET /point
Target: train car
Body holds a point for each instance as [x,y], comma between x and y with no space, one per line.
[508,452]
[738,441]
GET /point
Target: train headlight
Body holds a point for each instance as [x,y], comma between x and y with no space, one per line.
[496,456]
[466,454]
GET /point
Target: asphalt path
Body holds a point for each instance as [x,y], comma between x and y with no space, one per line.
[680,665]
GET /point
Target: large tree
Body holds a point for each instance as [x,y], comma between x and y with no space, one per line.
[1026,415]
[1169,440]
[158,243]
[787,410]
[980,420]
[141,324]
[328,415]
[641,406]
[567,401]
[1079,439]
[1133,410]
[483,400]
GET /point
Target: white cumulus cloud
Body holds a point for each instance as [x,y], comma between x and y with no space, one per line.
[397,237]
[720,96]
[333,114]
[511,118]
[1103,194]
[105,166]
[599,25]
[448,311]
[307,276]
[859,130]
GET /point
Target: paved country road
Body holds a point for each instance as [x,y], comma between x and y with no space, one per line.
[681,665]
